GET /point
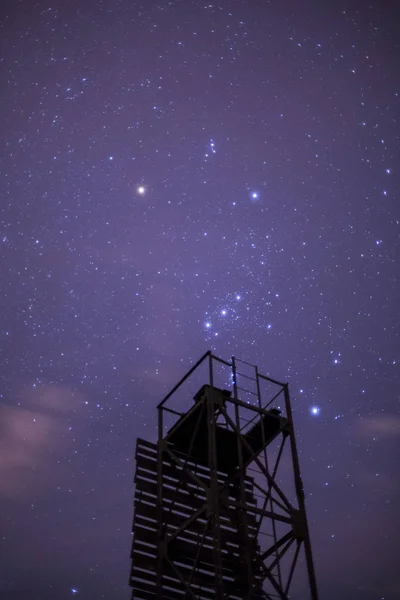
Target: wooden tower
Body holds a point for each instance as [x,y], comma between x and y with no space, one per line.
[211,517]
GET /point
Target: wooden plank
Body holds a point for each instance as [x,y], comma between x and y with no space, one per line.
[206,579]
[142,443]
[147,507]
[177,590]
[150,462]
[138,593]
[203,557]
[178,515]
[177,478]
[192,555]
[150,536]
[200,470]
[148,591]
[183,497]
[176,496]
[175,584]
[195,531]
[187,554]
[230,536]
[177,587]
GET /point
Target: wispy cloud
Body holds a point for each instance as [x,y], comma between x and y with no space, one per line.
[30,432]
[387,425]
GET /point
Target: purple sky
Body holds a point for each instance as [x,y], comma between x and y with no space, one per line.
[183,176]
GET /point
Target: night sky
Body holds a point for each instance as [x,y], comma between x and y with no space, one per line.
[183,176]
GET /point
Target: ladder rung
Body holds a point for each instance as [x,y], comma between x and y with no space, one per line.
[247,391]
[246,376]
[244,362]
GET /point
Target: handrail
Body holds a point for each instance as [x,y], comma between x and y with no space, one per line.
[208,353]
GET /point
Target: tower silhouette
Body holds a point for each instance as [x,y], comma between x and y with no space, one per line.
[218,511]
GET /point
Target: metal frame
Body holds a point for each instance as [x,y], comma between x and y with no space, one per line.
[198,525]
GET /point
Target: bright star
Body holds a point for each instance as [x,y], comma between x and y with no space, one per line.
[238,297]
[207,325]
[74,591]
[315,410]
[141,190]
[223,312]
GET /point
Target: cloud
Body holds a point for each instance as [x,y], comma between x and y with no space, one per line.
[30,433]
[387,425]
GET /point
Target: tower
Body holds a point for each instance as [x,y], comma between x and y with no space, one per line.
[218,511]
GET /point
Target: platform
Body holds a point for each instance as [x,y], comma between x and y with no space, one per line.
[189,435]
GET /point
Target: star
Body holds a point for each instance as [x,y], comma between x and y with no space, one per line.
[141,189]
[123,258]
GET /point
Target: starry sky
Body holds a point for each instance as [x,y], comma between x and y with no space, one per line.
[182,176]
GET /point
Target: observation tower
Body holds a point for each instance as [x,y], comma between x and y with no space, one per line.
[219,509]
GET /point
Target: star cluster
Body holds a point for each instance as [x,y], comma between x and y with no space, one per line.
[178,177]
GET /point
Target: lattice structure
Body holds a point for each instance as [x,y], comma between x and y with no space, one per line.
[211,519]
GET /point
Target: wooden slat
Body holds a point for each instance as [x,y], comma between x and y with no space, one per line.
[178,479]
[192,555]
[149,461]
[179,551]
[230,535]
[177,518]
[173,473]
[150,451]
[190,548]
[139,592]
[142,443]
[147,507]
[150,536]
[177,587]
[176,495]
[196,499]
[177,593]
[200,578]
[186,553]
[148,591]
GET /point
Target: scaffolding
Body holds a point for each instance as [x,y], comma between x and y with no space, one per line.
[212,517]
